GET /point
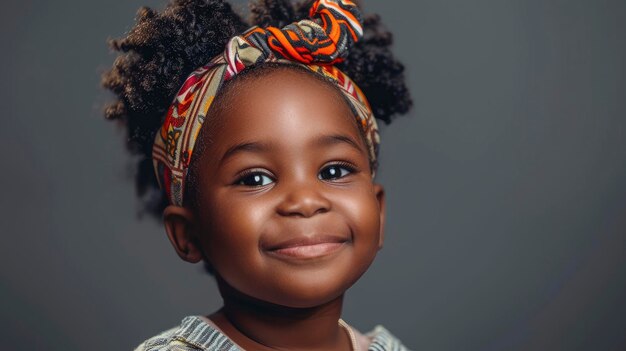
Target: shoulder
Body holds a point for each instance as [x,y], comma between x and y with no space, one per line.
[383,340]
[193,334]
[161,341]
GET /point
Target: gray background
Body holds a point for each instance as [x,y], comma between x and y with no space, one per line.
[506,184]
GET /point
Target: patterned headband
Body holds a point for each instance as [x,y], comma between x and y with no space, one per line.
[316,43]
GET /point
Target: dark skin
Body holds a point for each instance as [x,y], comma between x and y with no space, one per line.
[287,212]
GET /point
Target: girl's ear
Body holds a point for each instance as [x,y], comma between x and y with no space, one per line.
[180,227]
[380,196]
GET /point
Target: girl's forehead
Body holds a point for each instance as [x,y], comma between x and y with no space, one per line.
[283,107]
[291,117]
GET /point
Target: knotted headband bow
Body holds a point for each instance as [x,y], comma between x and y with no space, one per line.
[316,43]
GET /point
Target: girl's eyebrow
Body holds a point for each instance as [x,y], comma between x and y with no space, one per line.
[333,139]
[249,146]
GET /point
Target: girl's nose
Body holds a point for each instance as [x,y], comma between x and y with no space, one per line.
[304,201]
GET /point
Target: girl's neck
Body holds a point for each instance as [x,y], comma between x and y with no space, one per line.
[258,325]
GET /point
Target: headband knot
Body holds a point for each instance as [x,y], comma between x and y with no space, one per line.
[316,43]
[324,39]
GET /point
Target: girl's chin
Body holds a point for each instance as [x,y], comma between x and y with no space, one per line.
[297,286]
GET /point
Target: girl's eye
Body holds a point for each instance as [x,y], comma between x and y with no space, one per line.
[254,179]
[335,172]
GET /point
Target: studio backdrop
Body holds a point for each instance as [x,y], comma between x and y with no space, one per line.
[506,184]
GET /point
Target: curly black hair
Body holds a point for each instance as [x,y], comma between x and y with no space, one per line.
[162,49]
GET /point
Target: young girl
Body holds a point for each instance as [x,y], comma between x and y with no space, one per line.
[259,149]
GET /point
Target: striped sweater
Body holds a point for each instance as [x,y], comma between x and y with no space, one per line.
[195,334]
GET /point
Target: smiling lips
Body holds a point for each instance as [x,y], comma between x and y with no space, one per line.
[307,247]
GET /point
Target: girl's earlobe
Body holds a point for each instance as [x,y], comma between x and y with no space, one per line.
[180,227]
[380,196]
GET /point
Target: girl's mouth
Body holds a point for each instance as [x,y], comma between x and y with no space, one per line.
[307,247]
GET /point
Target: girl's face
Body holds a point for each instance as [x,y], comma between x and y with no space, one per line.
[287,210]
